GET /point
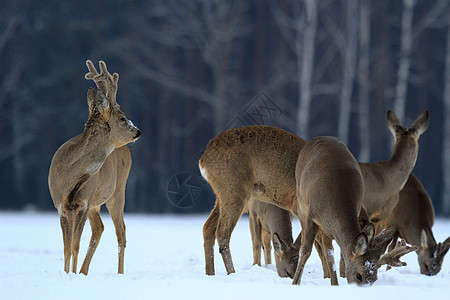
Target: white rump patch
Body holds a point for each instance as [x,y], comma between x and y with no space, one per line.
[203,172]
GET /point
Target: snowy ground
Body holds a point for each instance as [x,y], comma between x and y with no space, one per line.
[164,259]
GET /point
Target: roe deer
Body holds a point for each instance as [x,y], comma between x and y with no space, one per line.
[414,217]
[330,191]
[243,164]
[269,222]
[383,180]
[91,169]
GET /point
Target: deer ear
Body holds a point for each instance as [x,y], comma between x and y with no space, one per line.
[278,243]
[421,123]
[369,230]
[423,239]
[96,99]
[360,244]
[392,122]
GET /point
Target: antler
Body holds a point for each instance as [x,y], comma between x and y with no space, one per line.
[392,258]
[105,82]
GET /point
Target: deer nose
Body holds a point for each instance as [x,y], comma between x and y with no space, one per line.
[138,134]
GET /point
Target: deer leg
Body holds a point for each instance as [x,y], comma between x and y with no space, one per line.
[255,232]
[342,266]
[80,221]
[97,230]
[266,239]
[328,252]
[308,237]
[66,227]
[209,238]
[228,218]
[115,209]
[317,244]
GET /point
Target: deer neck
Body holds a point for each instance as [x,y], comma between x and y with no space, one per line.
[95,146]
[345,236]
[401,164]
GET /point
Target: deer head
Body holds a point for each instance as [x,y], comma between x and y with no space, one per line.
[431,255]
[286,255]
[402,134]
[361,267]
[104,110]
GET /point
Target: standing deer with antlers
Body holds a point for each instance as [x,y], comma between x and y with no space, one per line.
[413,217]
[91,169]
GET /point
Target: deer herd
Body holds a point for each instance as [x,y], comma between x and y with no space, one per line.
[273,175]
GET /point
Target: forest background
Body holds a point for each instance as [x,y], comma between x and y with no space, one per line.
[191,69]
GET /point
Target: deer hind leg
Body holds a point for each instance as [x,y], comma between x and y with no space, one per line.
[97,230]
[255,232]
[66,226]
[328,252]
[78,226]
[228,218]
[209,238]
[266,240]
[308,237]
[115,209]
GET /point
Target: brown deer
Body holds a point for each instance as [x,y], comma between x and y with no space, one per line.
[243,164]
[330,190]
[269,222]
[91,169]
[383,180]
[413,217]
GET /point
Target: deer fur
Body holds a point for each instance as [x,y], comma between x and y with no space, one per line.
[269,223]
[413,217]
[330,191]
[384,180]
[91,169]
[243,164]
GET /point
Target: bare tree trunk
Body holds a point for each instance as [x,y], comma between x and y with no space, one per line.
[405,51]
[305,62]
[364,82]
[349,69]
[446,138]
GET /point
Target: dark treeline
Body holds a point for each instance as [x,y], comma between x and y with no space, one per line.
[190,69]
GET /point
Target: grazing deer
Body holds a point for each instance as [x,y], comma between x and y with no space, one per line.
[91,169]
[414,217]
[269,222]
[330,191]
[243,164]
[384,180]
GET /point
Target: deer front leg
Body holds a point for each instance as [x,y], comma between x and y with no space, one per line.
[266,240]
[97,230]
[328,252]
[255,233]
[308,237]
[115,208]
[209,238]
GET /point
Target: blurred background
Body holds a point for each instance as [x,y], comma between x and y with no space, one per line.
[191,69]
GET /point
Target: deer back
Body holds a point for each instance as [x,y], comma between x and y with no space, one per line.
[259,161]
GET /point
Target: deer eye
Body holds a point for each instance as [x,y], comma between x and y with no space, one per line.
[123,119]
[426,267]
[358,277]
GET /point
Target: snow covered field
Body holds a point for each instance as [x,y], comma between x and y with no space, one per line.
[164,260]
